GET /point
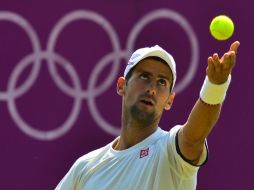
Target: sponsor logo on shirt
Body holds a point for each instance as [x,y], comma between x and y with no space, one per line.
[144,153]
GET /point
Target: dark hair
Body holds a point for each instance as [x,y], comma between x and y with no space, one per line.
[129,74]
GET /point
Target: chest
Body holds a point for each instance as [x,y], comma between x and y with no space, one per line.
[137,171]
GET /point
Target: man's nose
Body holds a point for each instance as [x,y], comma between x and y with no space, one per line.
[151,88]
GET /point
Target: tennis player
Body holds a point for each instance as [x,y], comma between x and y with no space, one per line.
[145,157]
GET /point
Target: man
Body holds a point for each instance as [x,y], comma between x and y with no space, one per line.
[145,157]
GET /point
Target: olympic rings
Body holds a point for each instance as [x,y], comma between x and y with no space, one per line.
[76,91]
[17,19]
[37,134]
[73,16]
[172,15]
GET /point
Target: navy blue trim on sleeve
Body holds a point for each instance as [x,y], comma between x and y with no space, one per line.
[185,159]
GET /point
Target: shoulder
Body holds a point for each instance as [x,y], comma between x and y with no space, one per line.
[72,179]
[91,156]
[169,136]
[174,130]
[165,140]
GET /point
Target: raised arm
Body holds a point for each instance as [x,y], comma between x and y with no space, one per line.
[192,135]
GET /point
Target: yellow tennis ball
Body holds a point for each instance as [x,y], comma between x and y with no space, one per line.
[222,27]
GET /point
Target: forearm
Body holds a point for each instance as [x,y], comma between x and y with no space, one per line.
[192,135]
[201,120]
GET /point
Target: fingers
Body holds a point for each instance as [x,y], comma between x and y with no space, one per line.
[210,64]
[217,63]
[214,63]
[210,68]
[229,60]
[234,46]
[232,58]
[218,69]
[226,61]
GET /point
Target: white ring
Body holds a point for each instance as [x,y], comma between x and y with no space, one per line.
[91,98]
[70,17]
[77,92]
[26,128]
[161,13]
[20,21]
[179,19]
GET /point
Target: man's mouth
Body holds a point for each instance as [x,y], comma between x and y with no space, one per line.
[147,102]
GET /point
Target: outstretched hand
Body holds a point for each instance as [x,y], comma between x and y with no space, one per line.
[218,69]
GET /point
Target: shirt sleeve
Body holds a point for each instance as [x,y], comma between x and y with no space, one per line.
[69,181]
[181,165]
[80,170]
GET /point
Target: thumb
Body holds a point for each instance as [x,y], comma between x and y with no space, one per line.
[234,46]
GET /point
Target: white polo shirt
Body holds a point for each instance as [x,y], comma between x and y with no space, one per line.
[152,164]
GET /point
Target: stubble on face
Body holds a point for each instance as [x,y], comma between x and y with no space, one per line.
[142,117]
[147,116]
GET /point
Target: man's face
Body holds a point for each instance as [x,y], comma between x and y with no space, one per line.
[147,92]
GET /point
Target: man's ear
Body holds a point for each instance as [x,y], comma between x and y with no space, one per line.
[170,101]
[121,86]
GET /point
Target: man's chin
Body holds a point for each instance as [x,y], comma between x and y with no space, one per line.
[142,116]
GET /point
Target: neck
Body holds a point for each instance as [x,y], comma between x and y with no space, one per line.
[133,132]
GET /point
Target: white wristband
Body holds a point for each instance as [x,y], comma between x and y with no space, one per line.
[214,93]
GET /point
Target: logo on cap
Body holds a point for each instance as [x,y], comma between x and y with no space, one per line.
[133,57]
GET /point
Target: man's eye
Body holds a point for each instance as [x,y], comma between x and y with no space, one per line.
[162,82]
[144,76]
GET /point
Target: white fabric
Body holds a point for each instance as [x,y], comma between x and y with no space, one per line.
[157,51]
[213,93]
[160,168]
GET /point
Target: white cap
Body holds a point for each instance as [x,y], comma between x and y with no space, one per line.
[156,51]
